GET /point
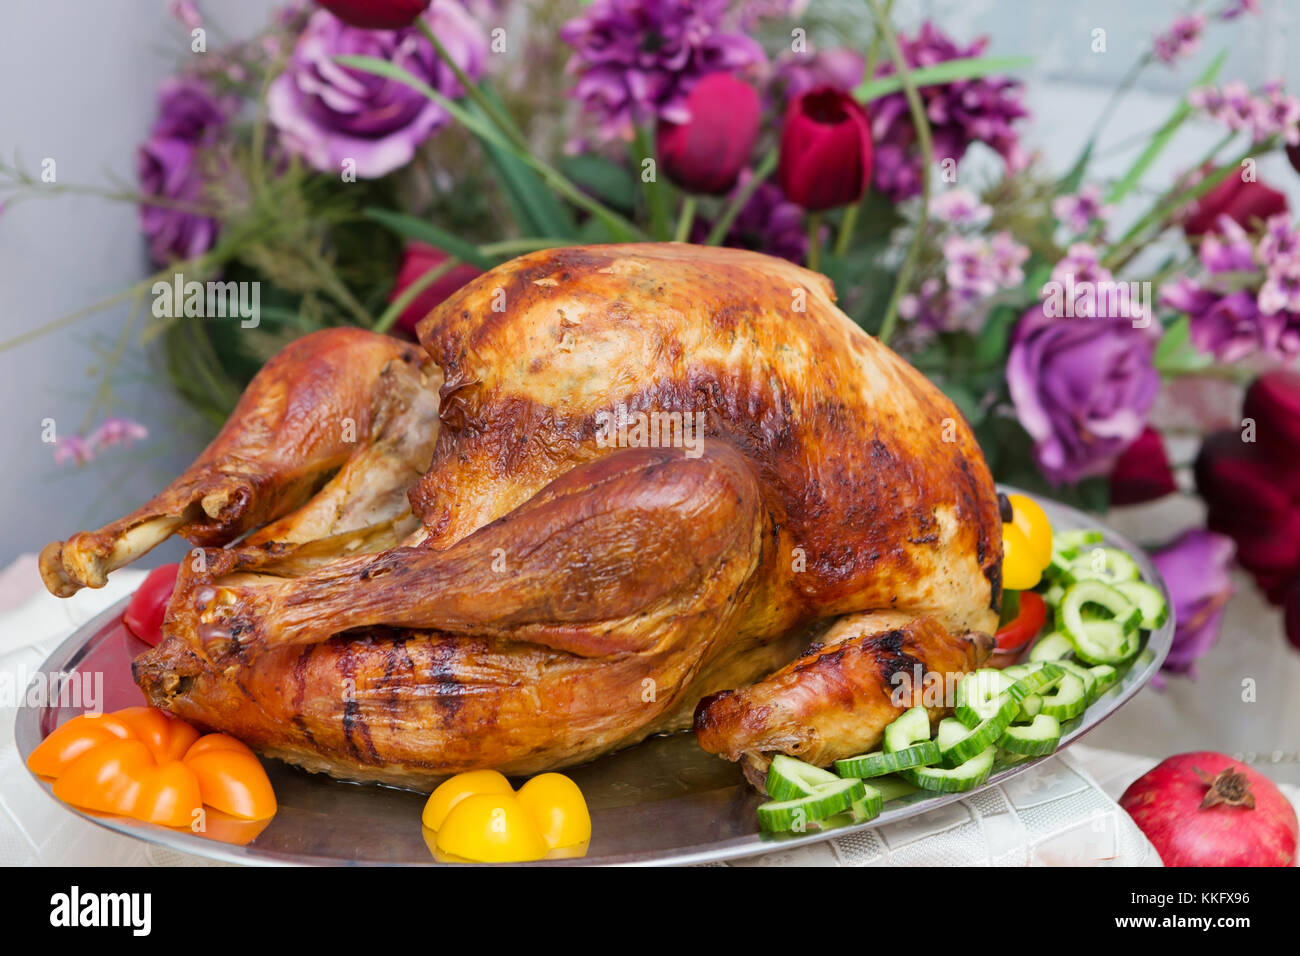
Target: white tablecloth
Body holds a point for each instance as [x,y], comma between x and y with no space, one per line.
[1062,812]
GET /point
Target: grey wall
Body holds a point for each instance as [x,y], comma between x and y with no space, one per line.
[77,82]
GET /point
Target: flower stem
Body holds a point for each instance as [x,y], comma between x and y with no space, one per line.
[411,292]
[685,220]
[766,166]
[922,126]
[656,191]
[846,230]
[502,122]
[814,241]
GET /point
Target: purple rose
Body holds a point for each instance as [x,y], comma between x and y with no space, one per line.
[636,60]
[329,113]
[1195,568]
[169,167]
[1082,389]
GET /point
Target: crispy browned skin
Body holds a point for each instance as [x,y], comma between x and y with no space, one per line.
[576,597]
[837,698]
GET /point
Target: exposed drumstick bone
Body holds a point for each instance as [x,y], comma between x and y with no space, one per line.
[84,561]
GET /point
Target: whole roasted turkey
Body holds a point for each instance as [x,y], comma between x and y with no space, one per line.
[417,560]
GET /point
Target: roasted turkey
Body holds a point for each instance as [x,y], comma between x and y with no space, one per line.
[615,491]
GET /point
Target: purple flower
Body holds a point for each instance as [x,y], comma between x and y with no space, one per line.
[1081,210]
[1008,256]
[1235,8]
[960,113]
[797,73]
[768,222]
[1195,569]
[960,207]
[1279,242]
[1227,248]
[190,120]
[1276,113]
[1183,38]
[1082,389]
[636,60]
[1081,264]
[329,113]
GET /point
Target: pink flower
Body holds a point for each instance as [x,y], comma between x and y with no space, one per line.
[1183,38]
[117,431]
[1008,257]
[1081,210]
[960,207]
[1281,290]
[1280,240]
[1081,264]
[73,449]
[1228,248]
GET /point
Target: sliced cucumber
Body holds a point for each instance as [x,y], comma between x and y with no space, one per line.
[788,778]
[1030,708]
[966,776]
[1033,677]
[959,743]
[1152,604]
[878,764]
[1099,640]
[1052,596]
[912,727]
[1068,699]
[1084,674]
[868,806]
[979,695]
[1110,565]
[1051,647]
[826,801]
[1034,739]
[1072,542]
[1106,677]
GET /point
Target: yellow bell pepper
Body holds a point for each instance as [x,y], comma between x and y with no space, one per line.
[478,816]
[1020,567]
[1032,520]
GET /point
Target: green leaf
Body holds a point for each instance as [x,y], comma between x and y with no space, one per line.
[423,231]
[1162,137]
[534,205]
[611,182]
[964,69]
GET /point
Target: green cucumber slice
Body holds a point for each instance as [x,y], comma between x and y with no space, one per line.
[1051,647]
[826,801]
[1099,640]
[1105,676]
[912,727]
[1152,604]
[868,806]
[1068,699]
[788,778]
[878,764]
[979,695]
[966,776]
[1071,542]
[1032,677]
[959,743]
[1084,674]
[1030,708]
[1035,739]
[1109,565]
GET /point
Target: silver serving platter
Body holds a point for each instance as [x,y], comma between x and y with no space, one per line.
[664,801]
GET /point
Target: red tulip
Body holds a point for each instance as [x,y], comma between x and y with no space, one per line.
[825,149]
[1273,401]
[1293,154]
[376,14]
[707,152]
[418,260]
[1142,472]
[1238,200]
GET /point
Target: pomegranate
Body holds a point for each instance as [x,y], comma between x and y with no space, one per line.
[1205,809]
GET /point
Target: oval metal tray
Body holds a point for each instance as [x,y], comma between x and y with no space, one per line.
[664,801]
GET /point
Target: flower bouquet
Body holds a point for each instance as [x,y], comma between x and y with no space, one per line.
[356,162]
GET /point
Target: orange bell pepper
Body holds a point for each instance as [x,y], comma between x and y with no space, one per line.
[144,763]
[69,741]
